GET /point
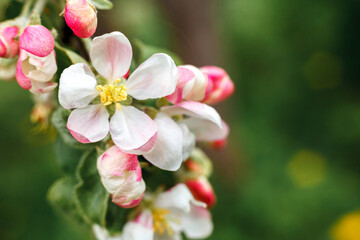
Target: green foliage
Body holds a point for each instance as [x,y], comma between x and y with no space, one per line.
[102,4]
[61,196]
[68,156]
[91,197]
[143,51]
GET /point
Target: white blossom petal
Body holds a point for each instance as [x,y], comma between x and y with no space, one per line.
[206,130]
[197,224]
[111,55]
[154,78]
[167,152]
[131,128]
[188,141]
[77,86]
[141,228]
[89,124]
[194,109]
[179,198]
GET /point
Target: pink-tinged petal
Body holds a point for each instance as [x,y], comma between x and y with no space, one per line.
[80,16]
[206,130]
[185,76]
[9,47]
[77,86]
[41,69]
[220,85]
[147,147]
[111,55]
[202,190]
[188,141]
[23,81]
[42,87]
[114,162]
[197,223]
[130,193]
[179,197]
[154,78]
[195,89]
[194,109]
[141,228]
[131,128]
[37,40]
[167,152]
[89,124]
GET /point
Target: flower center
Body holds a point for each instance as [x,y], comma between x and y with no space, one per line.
[112,93]
[160,222]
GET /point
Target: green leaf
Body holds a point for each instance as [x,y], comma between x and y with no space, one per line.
[71,55]
[59,120]
[91,197]
[143,51]
[116,217]
[61,196]
[68,157]
[102,4]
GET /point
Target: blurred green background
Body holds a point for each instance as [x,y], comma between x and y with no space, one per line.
[291,167]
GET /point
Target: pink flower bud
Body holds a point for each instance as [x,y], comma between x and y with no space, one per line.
[219,85]
[218,144]
[37,63]
[191,85]
[80,16]
[202,190]
[9,47]
[121,176]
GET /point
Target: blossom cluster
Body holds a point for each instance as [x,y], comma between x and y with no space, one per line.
[152,116]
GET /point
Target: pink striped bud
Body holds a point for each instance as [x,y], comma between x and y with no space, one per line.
[80,16]
[9,47]
[121,176]
[202,190]
[191,85]
[219,85]
[37,63]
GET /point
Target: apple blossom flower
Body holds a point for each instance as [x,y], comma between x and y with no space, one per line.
[191,85]
[202,190]
[173,212]
[9,47]
[219,86]
[36,64]
[121,176]
[130,128]
[80,16]
[102,234]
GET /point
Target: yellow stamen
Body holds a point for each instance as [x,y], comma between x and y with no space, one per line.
[112,93]
[160,221]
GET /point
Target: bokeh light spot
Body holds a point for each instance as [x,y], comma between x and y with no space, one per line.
[347,228]
[307,168]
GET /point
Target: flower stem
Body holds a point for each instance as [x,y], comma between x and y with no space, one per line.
[39,6]
[25,11]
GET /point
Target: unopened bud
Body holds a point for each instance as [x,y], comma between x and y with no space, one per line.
[198,164]
[9,47]
[202,190]
[80,16]
[121,176]
[219,86]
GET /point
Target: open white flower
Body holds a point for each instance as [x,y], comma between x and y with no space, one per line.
[174,211]
[129,127]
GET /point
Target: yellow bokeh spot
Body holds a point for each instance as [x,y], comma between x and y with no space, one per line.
[347,228]
[307,168]
[112,93]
